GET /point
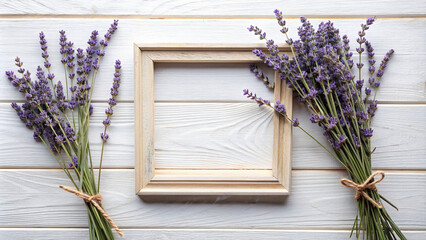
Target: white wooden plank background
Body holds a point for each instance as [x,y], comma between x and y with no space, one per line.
[221,8]
[407,56]
[400,144]
[33,207]
[41,203]
[193,234]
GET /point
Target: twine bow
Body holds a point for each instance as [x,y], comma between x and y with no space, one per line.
[367,185]
[96,201]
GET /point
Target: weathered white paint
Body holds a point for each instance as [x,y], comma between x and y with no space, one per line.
[213,135]
[400,143]
[402,82]
[221,8]
[33,207]
[185,234]
[32,198]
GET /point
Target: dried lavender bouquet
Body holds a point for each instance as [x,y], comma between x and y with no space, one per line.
[60,119]
[322,76]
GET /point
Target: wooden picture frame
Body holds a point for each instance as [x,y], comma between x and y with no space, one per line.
[149,181]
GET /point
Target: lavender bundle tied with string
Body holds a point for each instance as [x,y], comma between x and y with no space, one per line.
[60,118]
[322,75]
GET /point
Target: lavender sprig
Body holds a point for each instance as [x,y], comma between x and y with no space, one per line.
[260,75]
[109,112]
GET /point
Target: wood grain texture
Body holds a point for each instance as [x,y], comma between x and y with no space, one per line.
[138,141]
[193,175]
[392,133]
[223,56]
[146,133]
[208,82]
[399,140]
[32,198]
[245,189]
[20,150]
[217,9]
[206,46]
[406,64]
[282,134]
[188,234]
[219,135]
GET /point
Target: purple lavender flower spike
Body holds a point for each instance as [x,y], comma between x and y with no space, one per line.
[91,110]
[60,96]
[341,139]
[312,94]
[95,64]
[279,107]
[252,96]
[279,17]
[93,38]
[80,54]
[18,62]
[112,102]
[106,122]
[69,132]
[59,139]
[104,137]
[370,20]
[70,58]
[72,104]
[109,111]
[257,31]
[43,46]
[332,124]
[260,101]
[384,62]
[63,42]
[367,91]
[296,122]
[259,53]
[367,132]
[74,162]
[19,111]
[359,84]
[109,33]
[260,75]
[316,118]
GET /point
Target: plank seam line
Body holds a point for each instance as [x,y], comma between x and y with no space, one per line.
[219,101]
[3,228]
[390,171]
[93,101]
[199,17]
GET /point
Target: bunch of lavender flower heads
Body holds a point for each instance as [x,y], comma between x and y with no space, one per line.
[47,104]
[39,112]
[322,77]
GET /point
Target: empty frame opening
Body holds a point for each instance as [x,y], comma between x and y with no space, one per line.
[203,121]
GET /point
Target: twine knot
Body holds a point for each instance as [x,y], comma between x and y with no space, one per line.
[367,185]
[95,200]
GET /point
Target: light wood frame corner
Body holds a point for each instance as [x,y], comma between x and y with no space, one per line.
[149,181]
